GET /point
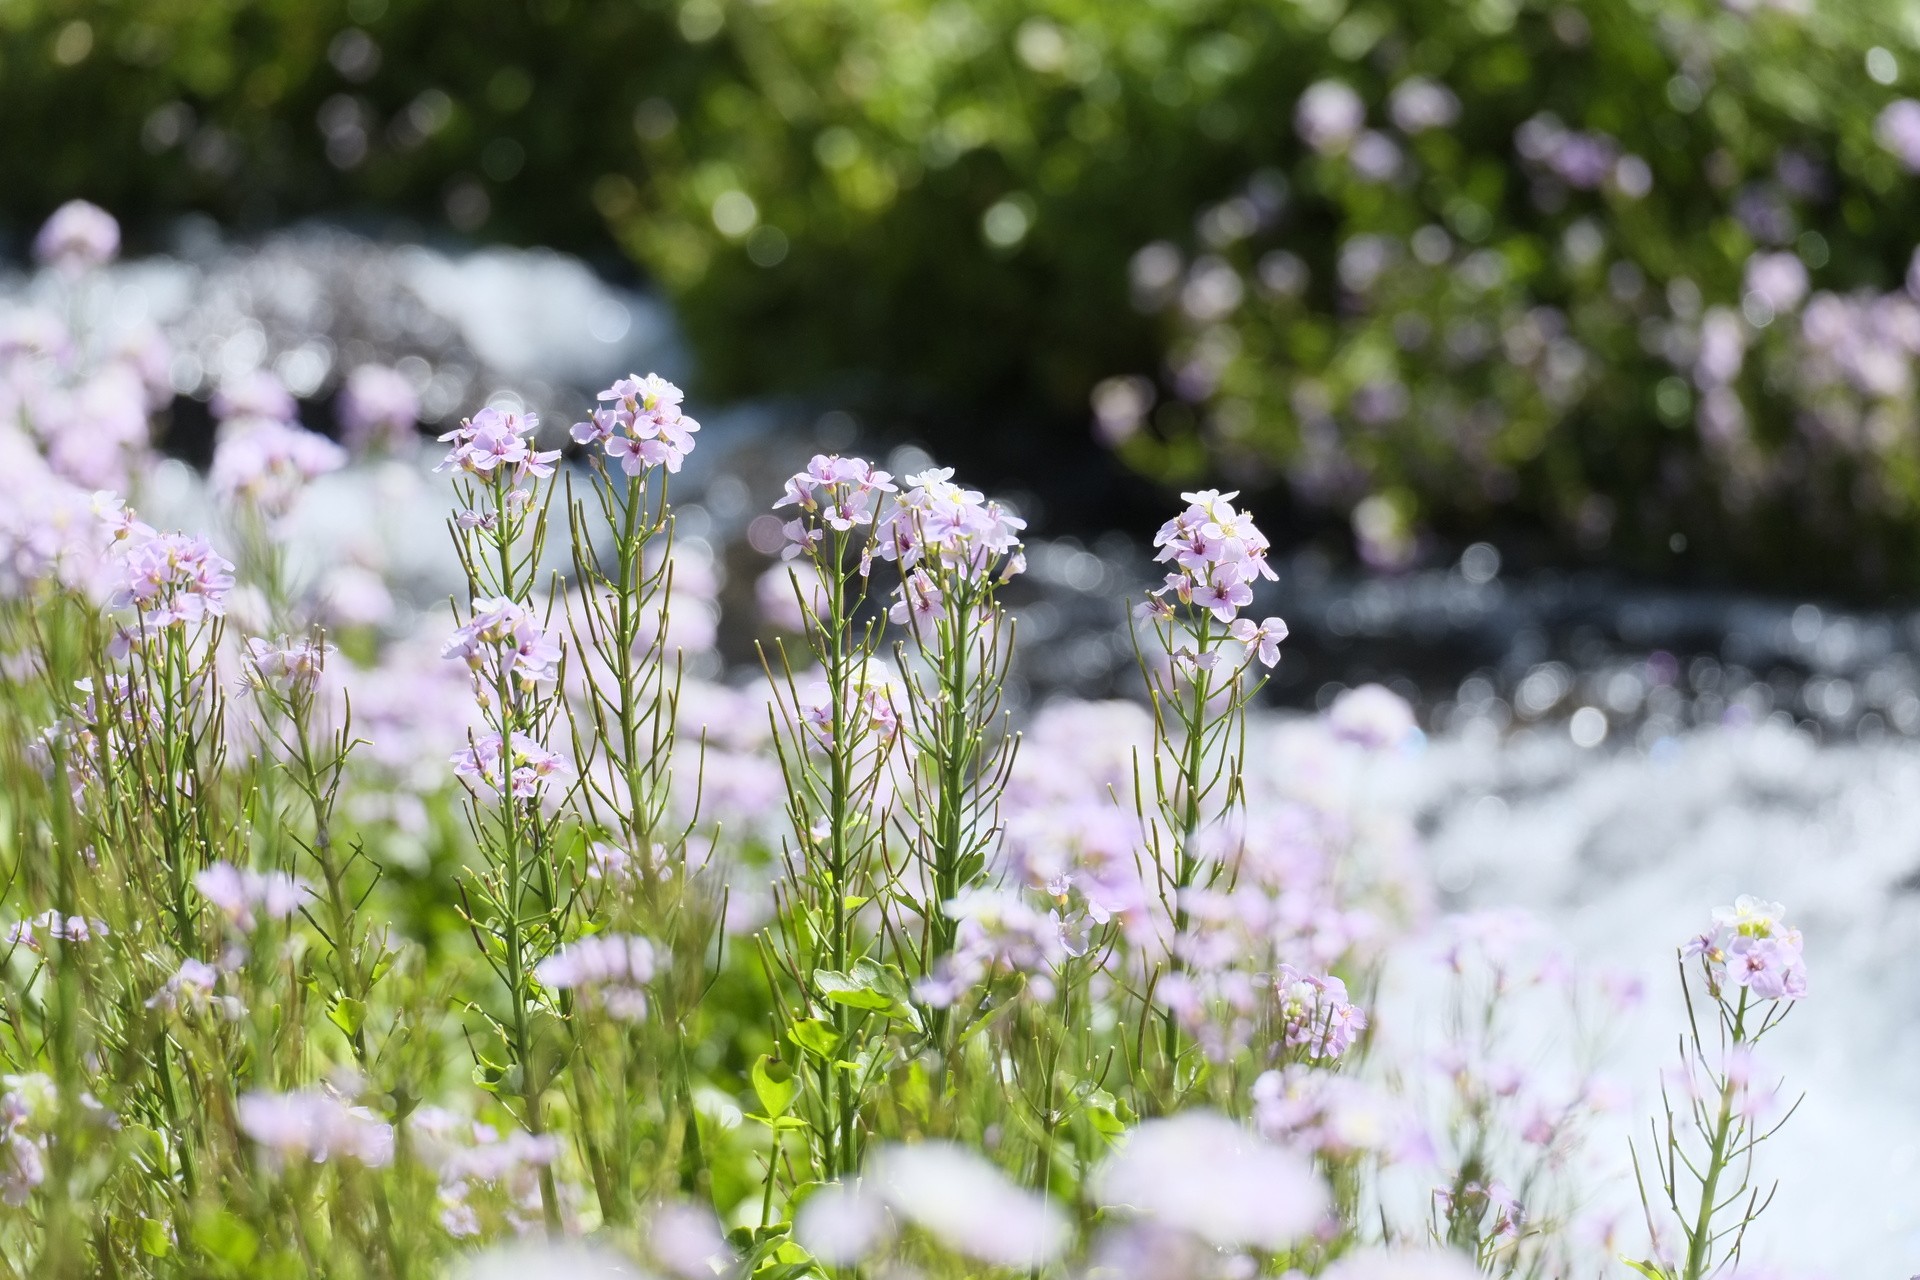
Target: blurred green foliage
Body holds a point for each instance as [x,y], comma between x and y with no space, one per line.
[932,205]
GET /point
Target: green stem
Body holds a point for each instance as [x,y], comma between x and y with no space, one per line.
[1186,862]
[1700,1238]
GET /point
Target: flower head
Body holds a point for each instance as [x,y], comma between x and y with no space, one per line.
[502,633]
[1372,716]
[958,1197]
[267,464]
[51,924]
[491,443]
[1216,554]
[377,406]
[1751,946]
[640,425]
[1335,1114]
[316,1125]
[1262,639]
[78,235]
[530,766]
[1316,1013]
[253,398]
[949,532]
[290,666]
[239,894]
[871,709]
[611,969]
[832,493]
[171,579]
[1202,1173]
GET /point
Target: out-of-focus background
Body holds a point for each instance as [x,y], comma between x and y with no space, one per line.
[1567,351]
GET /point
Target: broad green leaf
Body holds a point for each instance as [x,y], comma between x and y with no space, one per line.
[814,1036]
[774,1085]
[222,1235]
[916,1091]
[155,1240]
[847,989]
[347,1014]
[490,1076]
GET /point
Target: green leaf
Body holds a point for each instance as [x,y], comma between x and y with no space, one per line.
[814,1036]
[1646,1269]
[1106,1113]
[222,1235]
[347,1014]
[155,1240]
[774,1085]
[777,1268]
[490,1075]
[847,989]
[878,987]
[916,1092]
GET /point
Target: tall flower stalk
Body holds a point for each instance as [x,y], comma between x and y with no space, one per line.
[625,719]
[516,905]
[835,729]
[1199,690]
[1751,968]
[953,550]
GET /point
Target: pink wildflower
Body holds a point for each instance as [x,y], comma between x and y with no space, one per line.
[78,235]
[642,426]
[532,766]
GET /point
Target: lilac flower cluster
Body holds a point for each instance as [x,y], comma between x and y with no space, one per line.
[268,463]
[378,408]
[1751,946]
[245,896]
[1218,553]
[833,493]
[168,579]
[78,236]
[1372,716]
[1205,1174]
[316,1125]
[641,426]
[526,770]
[871,710]
[468,1156]
[290,666]
[125,714]
[937,526]
[1337,1116]
[190,988]
[25,1109]
[959,1198]
[1316,1014]
[492,445]
[504,636]
[612,970]
[1001,932]
[50,924]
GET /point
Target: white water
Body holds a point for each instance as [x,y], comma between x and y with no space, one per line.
[1624,854]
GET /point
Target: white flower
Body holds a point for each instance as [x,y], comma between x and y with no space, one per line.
[959,1197]
[1203,1173]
